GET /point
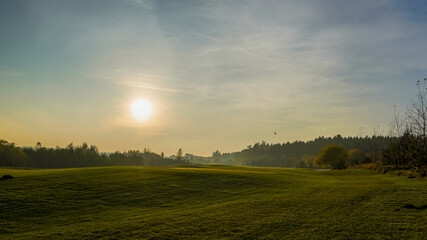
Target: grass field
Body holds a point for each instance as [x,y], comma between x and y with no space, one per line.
[213,202]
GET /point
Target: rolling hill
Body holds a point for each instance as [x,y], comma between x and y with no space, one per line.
[211,202]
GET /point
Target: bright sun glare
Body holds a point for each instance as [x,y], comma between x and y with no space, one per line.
[141,109]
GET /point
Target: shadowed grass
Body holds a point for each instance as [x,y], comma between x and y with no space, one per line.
[210,203]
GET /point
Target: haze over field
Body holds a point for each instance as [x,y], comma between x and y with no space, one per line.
[204,75]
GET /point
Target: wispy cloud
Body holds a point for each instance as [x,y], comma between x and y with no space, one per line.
[228,47]
[208,37]
[133,74]
[140,80]
[147,86]
[10,72]
[140,3]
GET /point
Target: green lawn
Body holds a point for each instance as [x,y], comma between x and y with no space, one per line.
[213,202]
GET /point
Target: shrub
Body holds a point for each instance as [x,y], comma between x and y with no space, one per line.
[355,157]
[333,156]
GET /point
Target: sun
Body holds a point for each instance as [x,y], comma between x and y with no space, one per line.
[141,109]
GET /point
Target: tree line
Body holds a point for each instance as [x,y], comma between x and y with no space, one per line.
[77,156]
[302,153]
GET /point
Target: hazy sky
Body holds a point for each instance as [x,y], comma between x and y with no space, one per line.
[219,74]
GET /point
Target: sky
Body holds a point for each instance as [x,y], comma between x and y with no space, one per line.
[218,74]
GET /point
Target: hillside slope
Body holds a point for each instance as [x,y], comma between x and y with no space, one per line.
[210,203]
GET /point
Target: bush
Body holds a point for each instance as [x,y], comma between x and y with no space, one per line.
[355,157]
[405,152]
[332,156]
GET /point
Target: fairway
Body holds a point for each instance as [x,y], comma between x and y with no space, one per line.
[214,202]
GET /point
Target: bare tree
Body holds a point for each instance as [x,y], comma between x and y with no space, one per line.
[397,124]
[417,112]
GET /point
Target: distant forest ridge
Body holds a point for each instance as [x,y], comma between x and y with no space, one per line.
[289,154]
[298,153]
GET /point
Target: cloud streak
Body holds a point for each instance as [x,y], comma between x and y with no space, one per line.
[147,86]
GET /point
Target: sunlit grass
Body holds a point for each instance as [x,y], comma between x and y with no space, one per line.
[210,203]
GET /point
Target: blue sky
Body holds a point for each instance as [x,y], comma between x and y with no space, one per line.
[219,74]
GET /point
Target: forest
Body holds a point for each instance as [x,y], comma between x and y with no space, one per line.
[290,154]
[77,156]
[302,153]
[401,152]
